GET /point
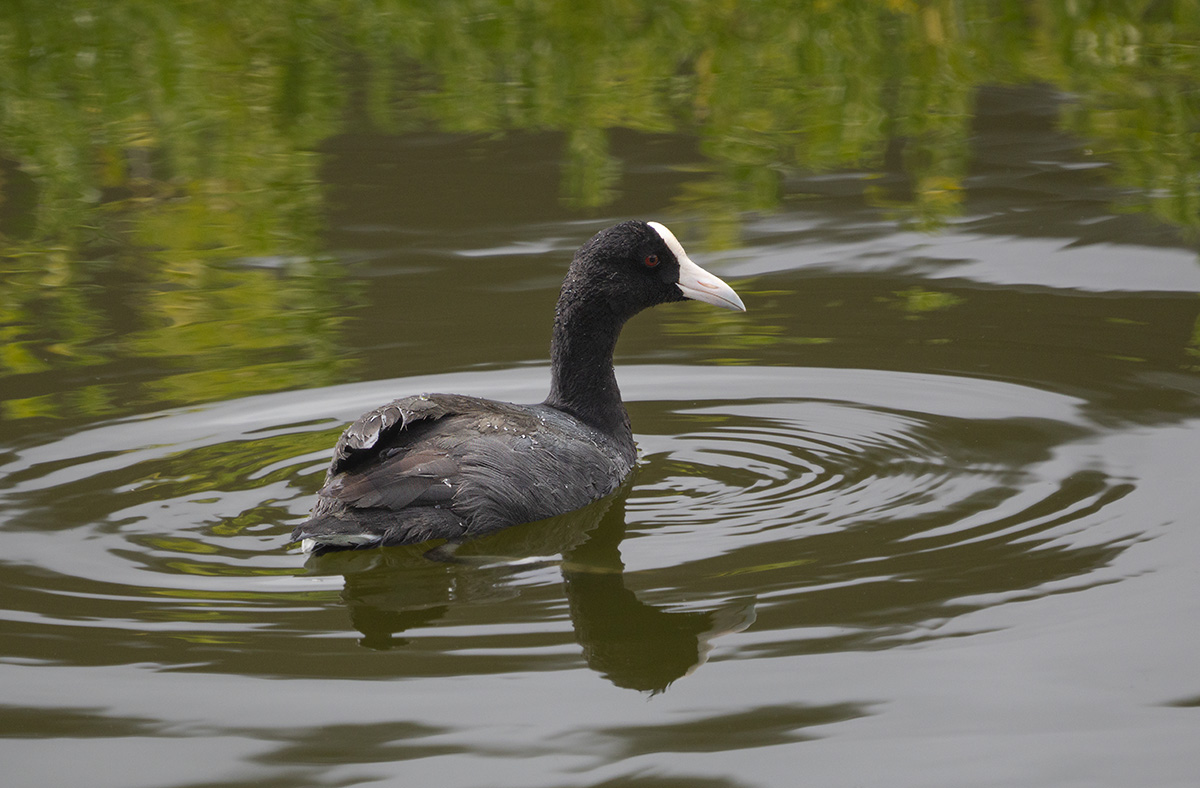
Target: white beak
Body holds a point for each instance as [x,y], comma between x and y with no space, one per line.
[700,285]
[694,281]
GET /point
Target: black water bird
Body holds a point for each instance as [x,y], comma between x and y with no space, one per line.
[447,466]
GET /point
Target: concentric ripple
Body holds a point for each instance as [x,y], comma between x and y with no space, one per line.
[818,465]
[177,523]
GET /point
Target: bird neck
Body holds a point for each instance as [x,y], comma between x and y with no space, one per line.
[582,380]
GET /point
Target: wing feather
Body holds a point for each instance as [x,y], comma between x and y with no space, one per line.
[444,465]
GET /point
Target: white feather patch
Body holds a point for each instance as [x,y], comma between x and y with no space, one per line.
[670,240]
[696,283]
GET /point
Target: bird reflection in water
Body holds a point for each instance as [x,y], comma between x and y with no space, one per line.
[632,644]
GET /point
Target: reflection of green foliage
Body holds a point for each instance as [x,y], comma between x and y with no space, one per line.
[205,596]
[211,331]
[219,106]
[589,171]
[1136,69]
[746,570]
[228,466]
[165,104]
[719,329]
[917,302]
[164,141]
[1193,348]
[177,544]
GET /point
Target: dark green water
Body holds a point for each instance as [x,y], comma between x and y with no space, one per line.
[925,515]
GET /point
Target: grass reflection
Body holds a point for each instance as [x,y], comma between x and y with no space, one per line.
[224,107]
[154,145]
[203,330]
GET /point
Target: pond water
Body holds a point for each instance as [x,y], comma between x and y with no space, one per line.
[926,514]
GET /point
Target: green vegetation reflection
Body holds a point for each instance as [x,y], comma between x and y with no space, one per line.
[165,145]
[185,122]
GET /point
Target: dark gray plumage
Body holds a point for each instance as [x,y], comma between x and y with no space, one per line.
[454,467]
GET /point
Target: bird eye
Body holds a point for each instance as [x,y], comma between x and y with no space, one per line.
[651,260]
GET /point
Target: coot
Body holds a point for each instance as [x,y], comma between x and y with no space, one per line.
[447,466]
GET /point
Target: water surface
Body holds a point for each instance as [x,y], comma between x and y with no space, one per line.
[924,515]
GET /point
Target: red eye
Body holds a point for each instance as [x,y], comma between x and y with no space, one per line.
[651,260]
